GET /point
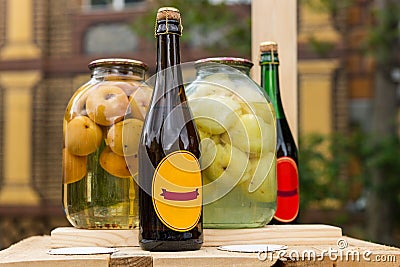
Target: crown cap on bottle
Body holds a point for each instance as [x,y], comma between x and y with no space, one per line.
[168,13]
[269,46]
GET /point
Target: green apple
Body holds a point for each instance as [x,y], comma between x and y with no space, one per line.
[230,166]
[208,147]
[211,85]
[215,114]
[262,185]
[251,134]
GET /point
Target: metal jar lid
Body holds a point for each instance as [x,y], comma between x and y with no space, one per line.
[225,60]
[109,62]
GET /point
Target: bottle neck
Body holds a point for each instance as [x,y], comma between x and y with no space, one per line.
[169,73]
[270,81]
[168,54]
[168,33]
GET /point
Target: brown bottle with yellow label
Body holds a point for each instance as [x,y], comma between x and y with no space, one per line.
[170,194]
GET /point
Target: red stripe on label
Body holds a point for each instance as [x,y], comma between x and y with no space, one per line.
[179,196]
[287,193]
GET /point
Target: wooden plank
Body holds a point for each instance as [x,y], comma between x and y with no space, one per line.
[209,257]
[72,237]
[131,257]
[354,253]
[32,252]
[276,20]
[291,234]
[280,234]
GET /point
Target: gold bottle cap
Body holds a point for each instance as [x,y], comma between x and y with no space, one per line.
[168,13]
[268,46]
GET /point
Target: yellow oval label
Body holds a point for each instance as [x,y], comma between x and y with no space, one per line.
[177,191]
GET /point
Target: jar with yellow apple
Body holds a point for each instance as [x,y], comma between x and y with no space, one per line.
[102,127]
[236,124]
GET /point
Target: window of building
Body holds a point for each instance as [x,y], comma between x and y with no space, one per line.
[111,38]
[109,4]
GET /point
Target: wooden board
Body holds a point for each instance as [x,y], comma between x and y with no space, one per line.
[277,234]
[32,252]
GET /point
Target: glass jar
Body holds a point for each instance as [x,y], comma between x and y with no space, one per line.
[102,127]
[236,124]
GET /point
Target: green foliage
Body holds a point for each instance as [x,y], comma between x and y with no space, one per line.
[323,158]
[334,8]
[384,36]
[320,47]
[213,27]
[329,6]
[385,158]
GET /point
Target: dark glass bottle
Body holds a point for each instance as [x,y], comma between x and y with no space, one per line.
[287,171]
[170,194]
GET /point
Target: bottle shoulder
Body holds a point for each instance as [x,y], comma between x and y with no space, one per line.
[286,146]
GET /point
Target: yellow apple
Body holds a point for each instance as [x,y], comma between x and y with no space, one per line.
[124,136]
[74,167]
[107,104]
[139,102]
[82,136]
[114,164]
[77,104]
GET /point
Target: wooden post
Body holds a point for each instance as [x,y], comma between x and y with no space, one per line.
[276,20]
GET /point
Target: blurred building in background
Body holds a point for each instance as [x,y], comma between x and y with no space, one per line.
[335,75]
[335,92]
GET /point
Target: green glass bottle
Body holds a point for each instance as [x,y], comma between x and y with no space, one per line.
[287,161]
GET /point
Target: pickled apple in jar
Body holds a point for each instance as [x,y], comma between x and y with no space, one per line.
[236,124]
[102,127]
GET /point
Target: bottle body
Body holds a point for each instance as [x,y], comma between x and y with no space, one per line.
[237,130]
[287,154]
[99,191]
[170,193]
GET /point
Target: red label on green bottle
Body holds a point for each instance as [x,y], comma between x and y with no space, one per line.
[288,190]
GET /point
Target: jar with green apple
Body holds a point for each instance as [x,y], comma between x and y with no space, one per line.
[102,127]
[236,123]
